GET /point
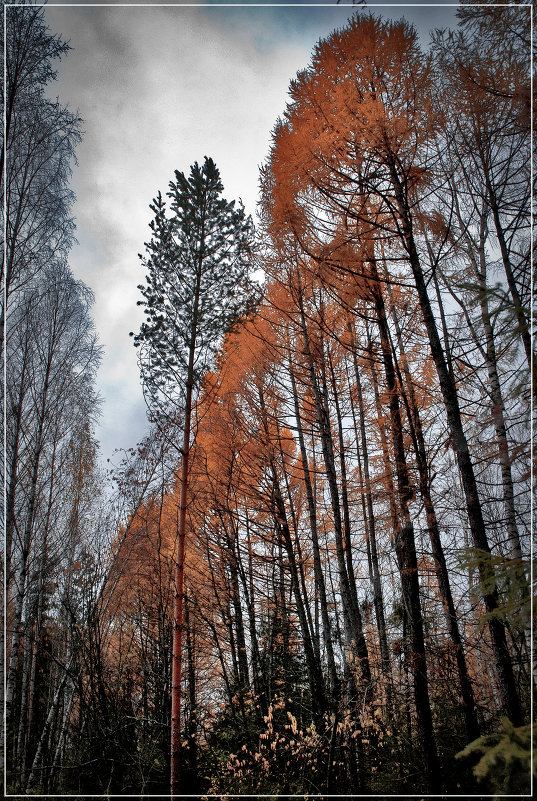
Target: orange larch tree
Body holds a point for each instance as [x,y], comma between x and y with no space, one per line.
[368,165]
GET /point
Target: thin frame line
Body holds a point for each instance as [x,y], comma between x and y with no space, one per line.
[266,5]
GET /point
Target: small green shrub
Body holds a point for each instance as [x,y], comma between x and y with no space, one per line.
[504,759]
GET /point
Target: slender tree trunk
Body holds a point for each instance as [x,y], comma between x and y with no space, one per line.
[249,594]
[28,698]
[299,557]
[242,659]
[13,475]
[388,470]
[506,680]
[489,356]
[406,551]
[192,726]
[361,645]
[314,669]
[441,571]
[232,550]
[523,326]
[175,739]
[175,763]
[317,564]
[219,650]
[498,408]
[31,510]
[32,778]
[370,527]
[67,697]
[20,597]
[328,455]
[19,742]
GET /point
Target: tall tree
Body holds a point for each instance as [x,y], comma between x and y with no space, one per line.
[58,351]
[40,138]
[488,143]
[367,172]
[197,286]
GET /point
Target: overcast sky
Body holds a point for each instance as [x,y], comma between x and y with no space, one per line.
[159,88]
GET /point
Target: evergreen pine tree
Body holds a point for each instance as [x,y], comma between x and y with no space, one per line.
[197,287]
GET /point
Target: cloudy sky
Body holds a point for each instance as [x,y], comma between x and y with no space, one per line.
[159,87]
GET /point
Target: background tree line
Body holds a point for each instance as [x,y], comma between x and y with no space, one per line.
[356,597]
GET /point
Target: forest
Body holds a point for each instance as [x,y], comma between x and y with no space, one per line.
[312,576]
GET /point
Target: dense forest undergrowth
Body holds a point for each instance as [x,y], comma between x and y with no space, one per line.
[315,570]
